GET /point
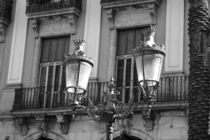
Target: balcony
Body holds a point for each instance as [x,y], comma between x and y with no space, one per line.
[42,7]
[172,94]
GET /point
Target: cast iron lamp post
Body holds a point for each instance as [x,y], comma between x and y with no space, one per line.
[149,58]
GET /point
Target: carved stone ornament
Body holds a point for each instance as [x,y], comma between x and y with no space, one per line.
[35,25]
[113,7]
[23,125]
[3,26]
[42,124]
[110,14]
[126,124]
[72,20]
[64,123]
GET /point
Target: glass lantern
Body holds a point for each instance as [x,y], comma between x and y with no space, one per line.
[149,59]
[78,70]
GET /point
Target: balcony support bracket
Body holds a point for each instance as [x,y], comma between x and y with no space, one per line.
[35,26]
[64,122]
[23,124]
[42,124]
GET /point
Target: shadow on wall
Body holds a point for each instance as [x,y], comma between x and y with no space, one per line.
[125,136]
[43,138]
[39,136]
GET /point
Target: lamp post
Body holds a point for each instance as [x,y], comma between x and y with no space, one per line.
[149,58]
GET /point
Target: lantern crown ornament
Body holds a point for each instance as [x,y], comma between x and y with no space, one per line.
[149,45]
[79,52]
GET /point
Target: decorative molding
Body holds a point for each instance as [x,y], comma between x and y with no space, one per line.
[64,123]
[72,20]
[110,15]
[23,124]
[113,7]
[124,3]
[42,124]
[153,12]
[3,27]
[35,25]
[126,124]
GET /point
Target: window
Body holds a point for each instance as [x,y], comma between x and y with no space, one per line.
[52,72]
[126,74]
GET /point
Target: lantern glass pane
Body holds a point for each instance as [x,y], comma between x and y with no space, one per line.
[152,64]
[139,67]
[84,74]
[72,74]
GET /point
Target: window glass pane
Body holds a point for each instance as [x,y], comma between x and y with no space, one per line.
[122,43]
[43,72]
[50,77]
[61,49]
[45,51]
[131,42]
[57,77]
[135,76]
[139,36]
[120,68]
[53,51]
[127,95]
[128,72]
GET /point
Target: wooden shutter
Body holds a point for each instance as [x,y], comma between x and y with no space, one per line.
[126,74]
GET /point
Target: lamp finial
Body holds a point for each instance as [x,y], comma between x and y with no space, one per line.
[150,31]
[80,46]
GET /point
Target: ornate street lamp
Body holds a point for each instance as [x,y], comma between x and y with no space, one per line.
[78,69]
[149,59]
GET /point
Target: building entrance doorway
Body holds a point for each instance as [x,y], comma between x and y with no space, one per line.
[43,138]
[125,136]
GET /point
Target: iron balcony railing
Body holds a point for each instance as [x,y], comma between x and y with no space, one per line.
[47,5]
[5,10]
[172,89]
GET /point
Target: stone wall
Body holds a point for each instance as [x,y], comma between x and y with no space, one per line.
[169,125]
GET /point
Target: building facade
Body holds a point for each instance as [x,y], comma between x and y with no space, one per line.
[35,35]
